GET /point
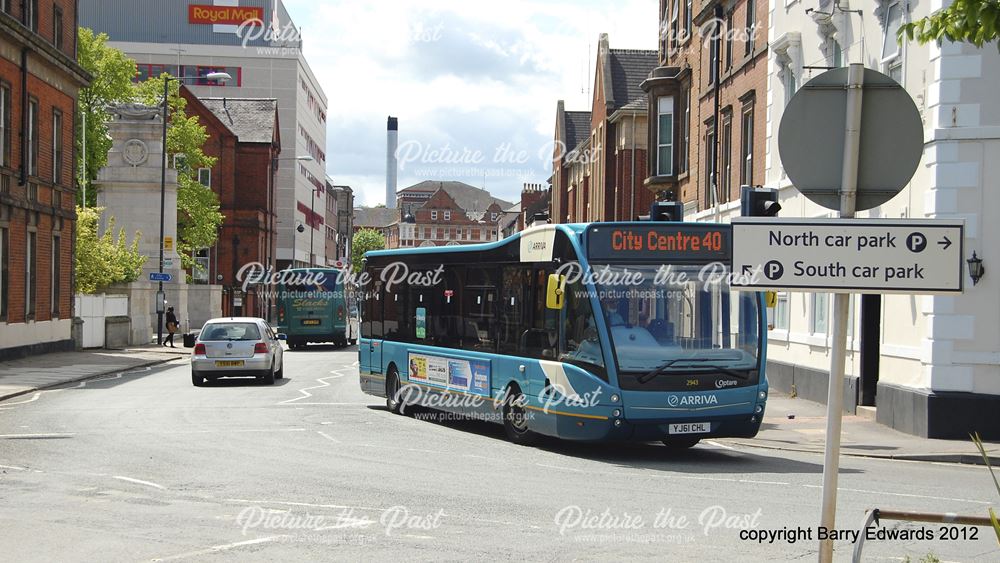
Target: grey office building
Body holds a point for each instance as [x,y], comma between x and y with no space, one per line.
[255,42]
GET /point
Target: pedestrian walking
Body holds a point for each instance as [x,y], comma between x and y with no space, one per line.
[171,327]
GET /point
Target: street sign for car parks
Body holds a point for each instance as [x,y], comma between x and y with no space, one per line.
[159,277]
[912,256]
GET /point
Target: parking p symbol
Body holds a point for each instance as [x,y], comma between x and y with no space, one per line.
[916,242]
[773,270]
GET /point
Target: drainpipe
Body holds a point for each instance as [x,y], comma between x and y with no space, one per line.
[718,126]
[631,214]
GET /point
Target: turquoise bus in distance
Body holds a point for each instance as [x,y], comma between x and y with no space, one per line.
[599,331]
[314,312]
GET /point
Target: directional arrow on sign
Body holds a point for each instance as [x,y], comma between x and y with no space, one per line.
[747,269]
[945,243]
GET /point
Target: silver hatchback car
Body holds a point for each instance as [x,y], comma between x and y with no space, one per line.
[235,347]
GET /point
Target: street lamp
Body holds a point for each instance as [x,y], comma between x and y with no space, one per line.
[222,77]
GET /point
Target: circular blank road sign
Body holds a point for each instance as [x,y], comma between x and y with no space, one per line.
[811,139]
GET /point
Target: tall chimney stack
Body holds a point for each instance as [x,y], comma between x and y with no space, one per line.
[392,133]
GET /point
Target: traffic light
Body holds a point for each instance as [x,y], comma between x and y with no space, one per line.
[666,211]
[759,202]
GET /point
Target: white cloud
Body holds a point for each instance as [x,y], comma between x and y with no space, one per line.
[469,74]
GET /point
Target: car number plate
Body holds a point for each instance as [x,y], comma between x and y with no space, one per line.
[229,363]
[691,428]
[310,322]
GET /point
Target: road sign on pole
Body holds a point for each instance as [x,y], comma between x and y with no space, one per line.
[913,256]
[160,277]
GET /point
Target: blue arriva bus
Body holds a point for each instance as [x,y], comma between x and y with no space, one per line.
[313,307]
[601,331]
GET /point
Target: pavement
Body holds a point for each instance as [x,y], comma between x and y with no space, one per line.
[791,424]
[25,375]
[794,424]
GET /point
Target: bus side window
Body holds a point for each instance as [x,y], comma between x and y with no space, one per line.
[512,310]
[376,309]
[580,343]
[539,339]
[390,313]
[478,323]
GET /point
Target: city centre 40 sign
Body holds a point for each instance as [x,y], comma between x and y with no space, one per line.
[849,255]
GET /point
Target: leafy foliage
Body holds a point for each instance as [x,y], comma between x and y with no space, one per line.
[365,240]
[198,215]
[971,21]
[986,458]
[112,72]
[101,260]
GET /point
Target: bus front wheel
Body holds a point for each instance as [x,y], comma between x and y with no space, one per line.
[515,418]
[392,401]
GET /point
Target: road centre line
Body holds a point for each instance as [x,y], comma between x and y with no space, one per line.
[218,548]
[139,482]
[902,495]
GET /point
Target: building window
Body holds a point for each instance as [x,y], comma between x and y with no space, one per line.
[727,158]
[688,17]
[4,124]
[57,146]
[892,55]
[781,311]
[686,130]
[5,6]
[33,137]
[820,313]
[4,270]
[665,136]
[710,191]
[57,27]
[746,153]
[729,39]
[447,215]
[493,217]
[789,82]
[29,274]
[54,289]
[674,19]
[205,177]
[32,22]
[434,215]
[751,25]
[713,54]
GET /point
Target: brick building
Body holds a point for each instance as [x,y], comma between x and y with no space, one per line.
[339,219]
[601,177]
[713,69]
[453,213]
[244,137]
[39,84]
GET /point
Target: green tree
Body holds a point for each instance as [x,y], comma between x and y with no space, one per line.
[971,21]
[365,240]
[198,215]
[112,73]
[101,260]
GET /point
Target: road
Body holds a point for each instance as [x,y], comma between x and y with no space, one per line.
[143,466]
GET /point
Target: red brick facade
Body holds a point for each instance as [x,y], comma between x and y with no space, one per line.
[37,189]
[243,178]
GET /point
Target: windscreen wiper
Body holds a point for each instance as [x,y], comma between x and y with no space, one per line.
[644,378]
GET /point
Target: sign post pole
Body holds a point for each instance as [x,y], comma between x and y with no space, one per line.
[841,306]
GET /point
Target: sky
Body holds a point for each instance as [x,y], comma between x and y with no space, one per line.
[474,84]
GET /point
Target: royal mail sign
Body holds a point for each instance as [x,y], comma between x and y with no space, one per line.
[233,15]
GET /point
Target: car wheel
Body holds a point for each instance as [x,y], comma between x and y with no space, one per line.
[515,418]
[681,443]
[197,380]
[280,374]
[392,387]
[269,378]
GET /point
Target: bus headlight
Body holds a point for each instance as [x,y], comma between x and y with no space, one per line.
[762,395]
[615,398]
[616,413]
[759,409]
[618,422]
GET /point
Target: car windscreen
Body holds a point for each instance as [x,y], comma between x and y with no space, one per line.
[230,332]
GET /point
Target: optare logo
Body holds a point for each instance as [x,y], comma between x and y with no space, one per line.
[723,383]
[673,400]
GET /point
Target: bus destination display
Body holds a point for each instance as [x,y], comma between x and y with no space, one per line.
[675,242]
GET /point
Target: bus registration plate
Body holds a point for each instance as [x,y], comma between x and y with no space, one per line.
[691,428]
[310,322]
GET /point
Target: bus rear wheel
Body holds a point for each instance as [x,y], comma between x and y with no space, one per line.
[681,443]
[515,419]
[392,400]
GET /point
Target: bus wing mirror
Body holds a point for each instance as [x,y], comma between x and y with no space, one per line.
[555,292]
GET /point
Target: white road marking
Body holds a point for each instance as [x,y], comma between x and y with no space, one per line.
[414,536]
[557,467]
[218,548]
[39,435]
[307,504]
[903,495]
[328,437]
[322,381]
[139,482]
[718,445]
[13,467]
[31,400]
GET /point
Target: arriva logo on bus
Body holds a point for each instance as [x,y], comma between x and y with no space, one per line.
[692,400]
